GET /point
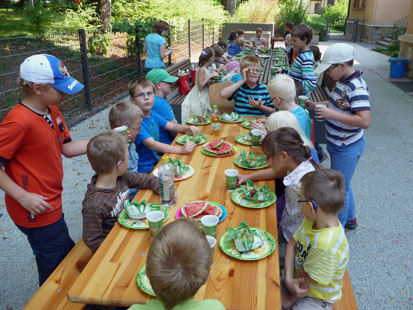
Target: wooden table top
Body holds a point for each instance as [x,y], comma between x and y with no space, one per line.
[110,276]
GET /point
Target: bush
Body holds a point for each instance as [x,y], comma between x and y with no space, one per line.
[84,16]
[39,18]
[336,12]
[318,24]
[256,11]
[291,10]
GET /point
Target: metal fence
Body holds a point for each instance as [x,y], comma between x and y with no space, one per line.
[105,72]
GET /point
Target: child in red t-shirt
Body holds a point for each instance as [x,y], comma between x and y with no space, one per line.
[33,137]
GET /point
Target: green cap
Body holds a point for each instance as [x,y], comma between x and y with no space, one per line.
[160,75]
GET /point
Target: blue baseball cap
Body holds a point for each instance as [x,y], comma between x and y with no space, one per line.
[47,69]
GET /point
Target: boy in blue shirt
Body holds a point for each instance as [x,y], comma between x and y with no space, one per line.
[162,82]
[147,141]
[250,96]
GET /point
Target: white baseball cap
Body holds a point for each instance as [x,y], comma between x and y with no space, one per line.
[335,54]
[47,69]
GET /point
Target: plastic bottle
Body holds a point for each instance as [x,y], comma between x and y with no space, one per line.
[166,182]
[215,125]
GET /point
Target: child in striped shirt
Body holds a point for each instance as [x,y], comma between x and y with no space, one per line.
[303,65]
[250,96]
[316,257]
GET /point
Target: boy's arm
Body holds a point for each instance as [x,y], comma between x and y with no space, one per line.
[32,202]
[231,89]
[292,284]
[144,180]
[74,148]
[175,128]
[92,234]
[361,119]
[159,147]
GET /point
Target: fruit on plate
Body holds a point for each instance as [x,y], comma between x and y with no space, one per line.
[197,139]
[244,238]
[200,119]
[137,210]
[254,193]
[180,169]
[197,209]
[220,147]
[251,159]
[232,117]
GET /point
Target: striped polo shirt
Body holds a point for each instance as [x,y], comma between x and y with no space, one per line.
[303,70]
[349,95]
[242,94]
[323,253]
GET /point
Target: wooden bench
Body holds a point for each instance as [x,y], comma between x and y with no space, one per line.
[176,98]
[321,93]
[53,293]
[347,301]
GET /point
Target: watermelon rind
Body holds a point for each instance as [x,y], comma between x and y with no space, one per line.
[218,145]
[230,150]
[183,209]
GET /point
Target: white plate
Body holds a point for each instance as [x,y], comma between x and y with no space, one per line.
[186,176]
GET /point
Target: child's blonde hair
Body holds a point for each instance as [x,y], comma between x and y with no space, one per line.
[124,114]
[287,119]
[140,81]
[282,86]
[178,262]
[27,87]
[105,150]
[249,61]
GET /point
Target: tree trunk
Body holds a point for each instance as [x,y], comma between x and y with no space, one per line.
[104,11]
[30,2]
[229,6]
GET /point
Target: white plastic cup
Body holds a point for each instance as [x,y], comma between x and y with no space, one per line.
[319,105]
[231,179]
[212,242]
[122,129]
[155,221]
[256,136]
[210,224]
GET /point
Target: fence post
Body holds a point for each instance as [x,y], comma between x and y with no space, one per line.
[203,34]
[356,26]
[138,53]
[189,38]
[213,34]
[85,68]
[328,28]
[169,45]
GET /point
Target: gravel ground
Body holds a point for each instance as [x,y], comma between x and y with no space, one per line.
[381,262]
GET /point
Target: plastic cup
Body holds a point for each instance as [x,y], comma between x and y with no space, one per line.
[212,242]
[319,105]
[155,220]
[273,70]
[256,136]
[122,129]
[231,177]
[302,100]
[209,224]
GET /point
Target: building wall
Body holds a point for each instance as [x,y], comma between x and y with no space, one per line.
[381,11]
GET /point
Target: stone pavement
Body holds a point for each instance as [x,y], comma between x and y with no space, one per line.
[381,261]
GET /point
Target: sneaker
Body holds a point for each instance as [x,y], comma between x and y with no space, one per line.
[352,224]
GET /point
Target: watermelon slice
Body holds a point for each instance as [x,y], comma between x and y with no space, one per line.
[192,209]
[224,149]
[217,144]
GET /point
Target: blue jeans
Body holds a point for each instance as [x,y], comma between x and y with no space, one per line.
[50,244]
[344,158]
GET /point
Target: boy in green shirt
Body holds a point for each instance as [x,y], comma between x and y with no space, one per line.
[178,264]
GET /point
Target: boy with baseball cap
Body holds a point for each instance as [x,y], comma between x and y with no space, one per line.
[347,113]
[33,137]
[162,82]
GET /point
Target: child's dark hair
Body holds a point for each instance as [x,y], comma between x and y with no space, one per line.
[178,262]
[160,26]
[206,54]
[239,31]
[316,52]
[233,36]
[223,44]
[327,188]
[289,25]
[304,32]
[286,139]
[218,51]
[299,89]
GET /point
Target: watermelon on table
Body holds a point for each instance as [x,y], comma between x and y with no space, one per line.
[224,149]
[192,209]
[217,144]
[209,210]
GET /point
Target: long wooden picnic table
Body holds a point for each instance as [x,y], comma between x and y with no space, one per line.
[110,276]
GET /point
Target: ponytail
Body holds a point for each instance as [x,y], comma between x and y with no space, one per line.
[286,139]
[206,54]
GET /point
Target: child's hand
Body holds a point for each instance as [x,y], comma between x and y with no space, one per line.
[193,130]
[241,179]
[294,287]
[34,203]
[244,74]
[322,111]
[258,125]
[214,73]
[310,105]
[188,147]
[255,104]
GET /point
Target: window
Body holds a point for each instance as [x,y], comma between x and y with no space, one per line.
[359,4]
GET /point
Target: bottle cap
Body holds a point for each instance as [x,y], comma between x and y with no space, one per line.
[165,159]
[214,106]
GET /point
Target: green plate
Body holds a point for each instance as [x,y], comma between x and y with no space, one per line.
[143,282]
[182,139]
[128,222]
[238,120]
[246,124]
[239,163]
[243,139]
[237,196]
[266,250]
[192,121]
